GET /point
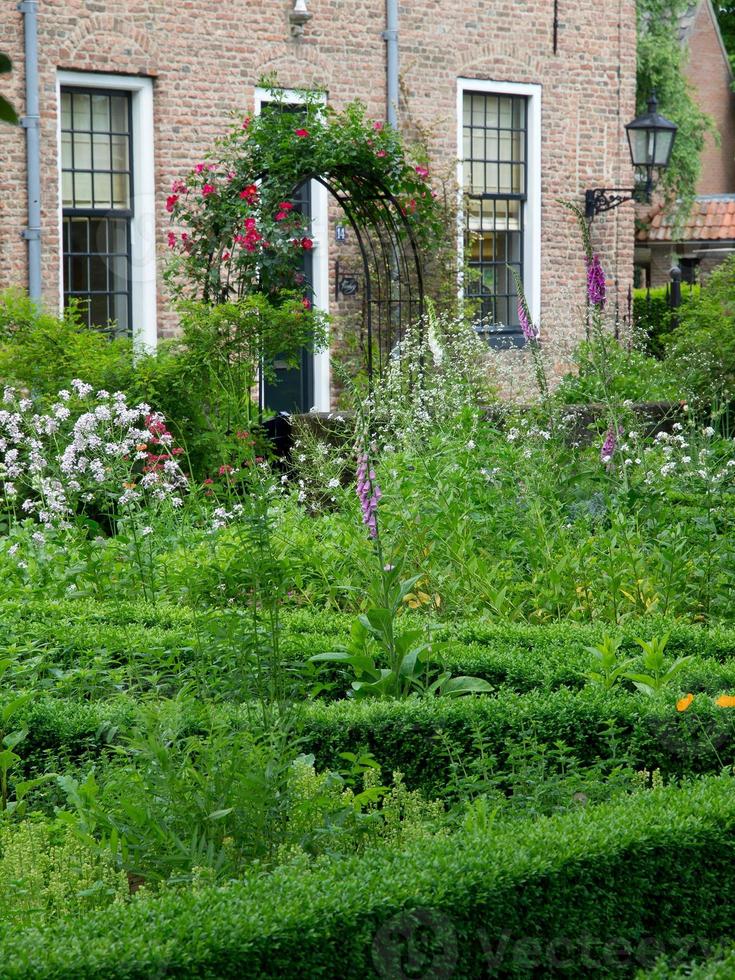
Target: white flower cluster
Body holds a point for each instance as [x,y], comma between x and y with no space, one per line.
[680,455]
[437,369]
[52,462]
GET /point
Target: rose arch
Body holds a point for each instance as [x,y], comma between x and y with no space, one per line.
[241,230]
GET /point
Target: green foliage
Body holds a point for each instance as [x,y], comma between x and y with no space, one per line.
[223,349]
[659,675]
[660,69]
[7,112]
[411,666]
[725,11]
[609,670]
[405,734]
[42,352]
[654,319]
[48,873]
[702,349]
[633,375]
[201,382]
[586,882]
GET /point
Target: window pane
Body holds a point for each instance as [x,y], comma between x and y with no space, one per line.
[119,114]
[82,118]
[506,112]
[66,160]
[78,234]
[121,190]
[65,110]
[78,270]
[119,312]
[99,310]
[98,234]
[101,113]
[98,273]
[67,189]
[118,235]
[118,266]
[101,151]
[119,152]
[82,190]
[102,195]
[82,151]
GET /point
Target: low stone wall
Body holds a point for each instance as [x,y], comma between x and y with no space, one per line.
[579,420]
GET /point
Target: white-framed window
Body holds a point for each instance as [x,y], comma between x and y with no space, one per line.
[107,201]
[313,380]
[499,175]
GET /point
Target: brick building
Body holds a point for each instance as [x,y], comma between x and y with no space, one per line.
[133,92]
[708,236]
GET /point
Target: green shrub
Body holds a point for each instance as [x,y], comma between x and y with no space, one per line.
[653,317]
[415,736]
[701,351]
[43,352]
[633,375]
[575,895]
[79,636]
[46,871]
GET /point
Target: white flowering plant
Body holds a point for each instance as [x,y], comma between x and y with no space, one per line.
[90,453]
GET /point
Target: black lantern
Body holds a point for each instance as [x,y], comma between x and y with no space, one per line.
[651,140]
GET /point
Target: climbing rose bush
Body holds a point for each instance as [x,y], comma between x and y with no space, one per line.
[89,450]
[236,226]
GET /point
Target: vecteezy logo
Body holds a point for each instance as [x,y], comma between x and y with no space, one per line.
[418,944]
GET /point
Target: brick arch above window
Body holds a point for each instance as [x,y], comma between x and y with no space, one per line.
[116,44]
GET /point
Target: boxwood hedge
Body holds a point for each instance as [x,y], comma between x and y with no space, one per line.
[519,656]
[599,892]
[595,724]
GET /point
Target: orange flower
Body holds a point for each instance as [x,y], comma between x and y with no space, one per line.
[129,486]
[683,703]
[141,447]
[725,701]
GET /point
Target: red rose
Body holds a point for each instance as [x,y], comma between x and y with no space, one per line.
[306,243]
[302,133]
[171,202]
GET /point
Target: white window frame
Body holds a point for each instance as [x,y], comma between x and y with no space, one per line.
[143,315]
[320,251]
[532,206]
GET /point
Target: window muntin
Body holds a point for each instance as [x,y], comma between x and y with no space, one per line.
[97,195]
[495,152]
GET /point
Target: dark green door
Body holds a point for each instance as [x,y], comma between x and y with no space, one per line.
[293,388]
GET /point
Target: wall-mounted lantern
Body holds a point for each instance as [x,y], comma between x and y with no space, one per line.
[299,17]
[651,140]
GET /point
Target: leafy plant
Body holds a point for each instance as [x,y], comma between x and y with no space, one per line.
[407,654]
[7,112]
[609,669]
[658,675]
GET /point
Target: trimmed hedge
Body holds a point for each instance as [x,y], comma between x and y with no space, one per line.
[522,657]
[702,960]
[598,892]
[648,732]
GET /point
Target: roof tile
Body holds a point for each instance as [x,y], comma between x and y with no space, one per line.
[711,218]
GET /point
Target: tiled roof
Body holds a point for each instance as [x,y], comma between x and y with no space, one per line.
[711,219]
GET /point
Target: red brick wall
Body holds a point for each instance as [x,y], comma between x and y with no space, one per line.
[709,73]
[206,58]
